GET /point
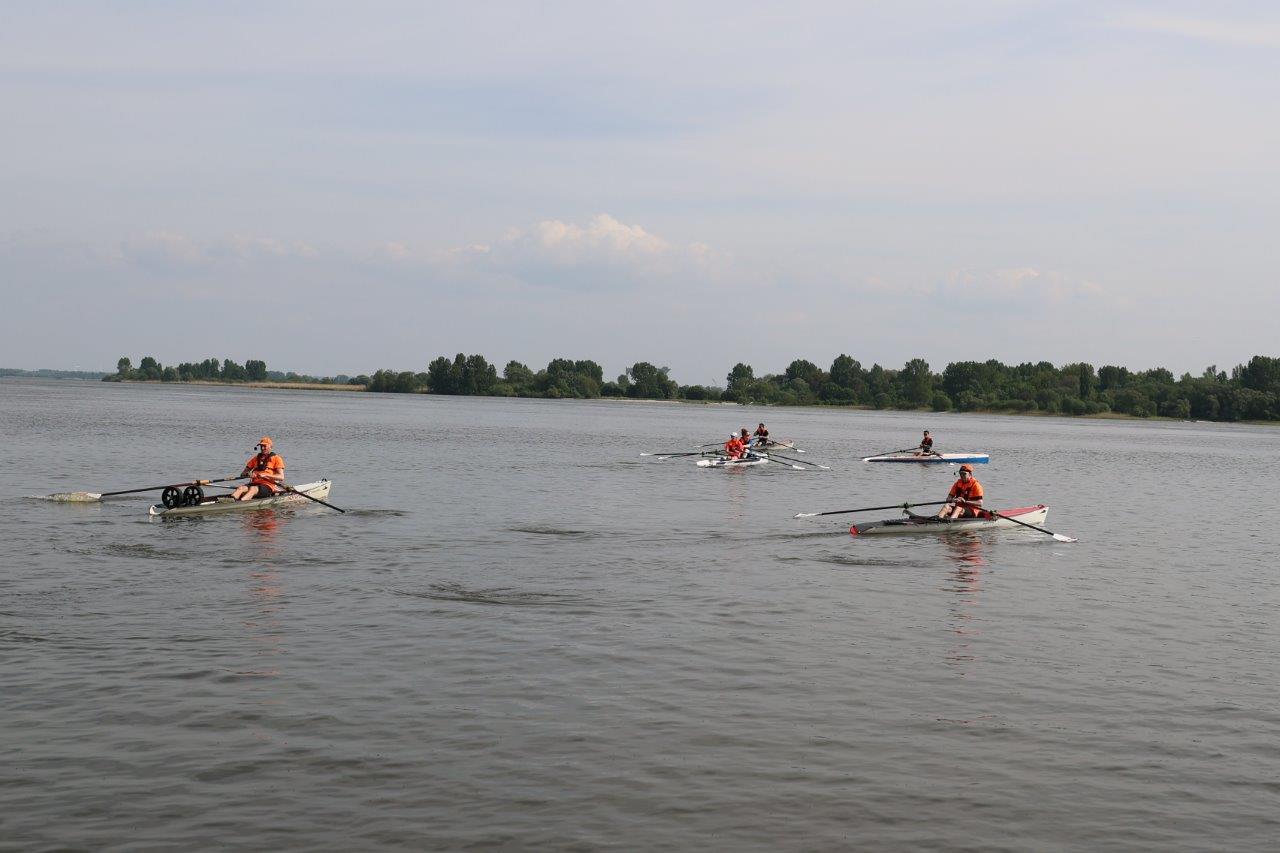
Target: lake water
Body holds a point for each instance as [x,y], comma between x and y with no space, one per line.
[523,635]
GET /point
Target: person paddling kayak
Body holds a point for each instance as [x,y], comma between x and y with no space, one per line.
[926,445]
[265,470]
[965,493]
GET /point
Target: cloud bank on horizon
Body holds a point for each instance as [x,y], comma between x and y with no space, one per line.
[340,189]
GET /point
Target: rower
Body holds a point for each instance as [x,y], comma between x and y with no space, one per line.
[734,448]
[761,436]
[265,470]
[965,498]
[926,445]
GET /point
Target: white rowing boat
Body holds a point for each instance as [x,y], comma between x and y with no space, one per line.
[224,503]
[929,524]
[776,445]
[934,458]
[744,462]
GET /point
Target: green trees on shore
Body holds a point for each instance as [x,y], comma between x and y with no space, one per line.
[1249,392]
[213,370]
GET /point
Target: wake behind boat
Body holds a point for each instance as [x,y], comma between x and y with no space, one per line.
[187,504]
[932,524]
[934,458]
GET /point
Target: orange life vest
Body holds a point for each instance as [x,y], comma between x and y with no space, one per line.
[265,463]
[970,490]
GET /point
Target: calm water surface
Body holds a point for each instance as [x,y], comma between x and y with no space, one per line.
[522,635]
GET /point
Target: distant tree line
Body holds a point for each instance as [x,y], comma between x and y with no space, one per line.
[211,369]
[474,376]
[52,374]
[1250,392]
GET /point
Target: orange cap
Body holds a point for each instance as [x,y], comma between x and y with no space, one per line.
[967,467]
[265,441]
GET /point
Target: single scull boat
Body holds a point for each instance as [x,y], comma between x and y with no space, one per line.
[744,462]
[776,445]
[930,524]
[976,458]
[224,503]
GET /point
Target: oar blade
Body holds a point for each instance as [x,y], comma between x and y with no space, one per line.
[1062,538]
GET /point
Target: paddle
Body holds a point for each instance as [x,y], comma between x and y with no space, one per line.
[802,461]
[83,497]
[775,460]
[686,453]
[1057,536]
[677,453]
[308,497]
[887,452]
[868,509]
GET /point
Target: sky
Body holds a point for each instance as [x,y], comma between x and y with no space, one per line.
[341,188]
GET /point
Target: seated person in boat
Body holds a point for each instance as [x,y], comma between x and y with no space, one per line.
[926,445]
[745,438]
[761,436]
[734,448]
[266,472]
[965,498]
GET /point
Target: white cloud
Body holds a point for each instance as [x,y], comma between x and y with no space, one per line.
[603,254]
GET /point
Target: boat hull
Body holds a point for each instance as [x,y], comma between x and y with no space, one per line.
[973,458]
[733,463]
[224,503]
[919,525]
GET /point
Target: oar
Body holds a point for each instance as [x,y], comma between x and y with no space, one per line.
[784,445]
[97,496]
[1057,536]
[868,509]
[308,497]
[685,453]
[775,460]
[677,453]
[887,452]
[802,461]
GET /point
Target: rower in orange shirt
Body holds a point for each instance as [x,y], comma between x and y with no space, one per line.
[734,448]
[965,497]
[265,470]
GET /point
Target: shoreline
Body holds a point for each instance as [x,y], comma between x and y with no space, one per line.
[271,384]
[318,386]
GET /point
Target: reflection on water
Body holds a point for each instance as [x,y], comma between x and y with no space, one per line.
[965,550]
[263,528]
[266,589]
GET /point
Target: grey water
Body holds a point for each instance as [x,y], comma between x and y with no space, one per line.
[522,634]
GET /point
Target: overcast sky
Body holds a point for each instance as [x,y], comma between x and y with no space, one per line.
[342,187]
